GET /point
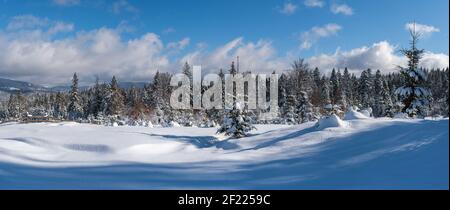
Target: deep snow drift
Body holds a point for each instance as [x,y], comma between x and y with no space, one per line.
[364,154]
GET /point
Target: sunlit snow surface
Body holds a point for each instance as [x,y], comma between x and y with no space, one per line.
[364,154]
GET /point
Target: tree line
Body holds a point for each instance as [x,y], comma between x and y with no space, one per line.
[304,94]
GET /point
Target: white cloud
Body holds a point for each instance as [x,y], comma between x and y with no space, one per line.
[288,8]
[180,45]
[256,57]
[33,52]
[60,27]
[309,38]
[26,22]
[380,56]
[98,52]
[314,3]
[66,2]
[341,9]
[32,27]
[434,60]
[48,59]
[424,30]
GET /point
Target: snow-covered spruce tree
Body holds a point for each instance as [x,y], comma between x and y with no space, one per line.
[186,117]
[97,99]
[334,87]
[282,90]
[346,87]
[305,109]
[389,110]
[414,96]
[115,99]
[325,96]
[17,105]
[315,95]
[60,106]
[339,97]
[354,89]
[3,112]
[366,89]
[74,110]
[378,88]
[135,108]
[383,102]
[289,111]
[235,124]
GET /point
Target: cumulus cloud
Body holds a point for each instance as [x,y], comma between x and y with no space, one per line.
[309,38]
[434,60]
[424,30]
[288,8]
[33,52]
[99,52]
[257,56]
[341,9]
[314,3]
[49,59]
[380,56]
[66,2]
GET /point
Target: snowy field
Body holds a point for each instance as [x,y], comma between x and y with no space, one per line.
[361,154]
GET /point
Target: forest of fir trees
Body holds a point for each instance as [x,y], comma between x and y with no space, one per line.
[304,95]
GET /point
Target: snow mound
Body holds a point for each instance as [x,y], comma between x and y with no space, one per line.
[174,125]
[352,114]
[332,121]
[367,112]
[401,115]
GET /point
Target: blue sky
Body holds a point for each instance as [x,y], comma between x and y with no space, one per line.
[329,33]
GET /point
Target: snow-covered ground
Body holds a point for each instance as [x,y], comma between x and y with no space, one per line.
[360,154]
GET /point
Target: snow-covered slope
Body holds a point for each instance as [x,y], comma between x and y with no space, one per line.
[364,154]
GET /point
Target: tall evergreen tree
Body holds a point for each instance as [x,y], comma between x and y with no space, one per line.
[326,106]
[17,105]
[75,110]
[413,93]
[346,87]
[289,110]
[305,109]
[383,103]
[115,99]
[366,89]
[60,106]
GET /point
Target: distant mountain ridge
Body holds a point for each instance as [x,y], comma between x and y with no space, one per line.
[9,86]
[12,86]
